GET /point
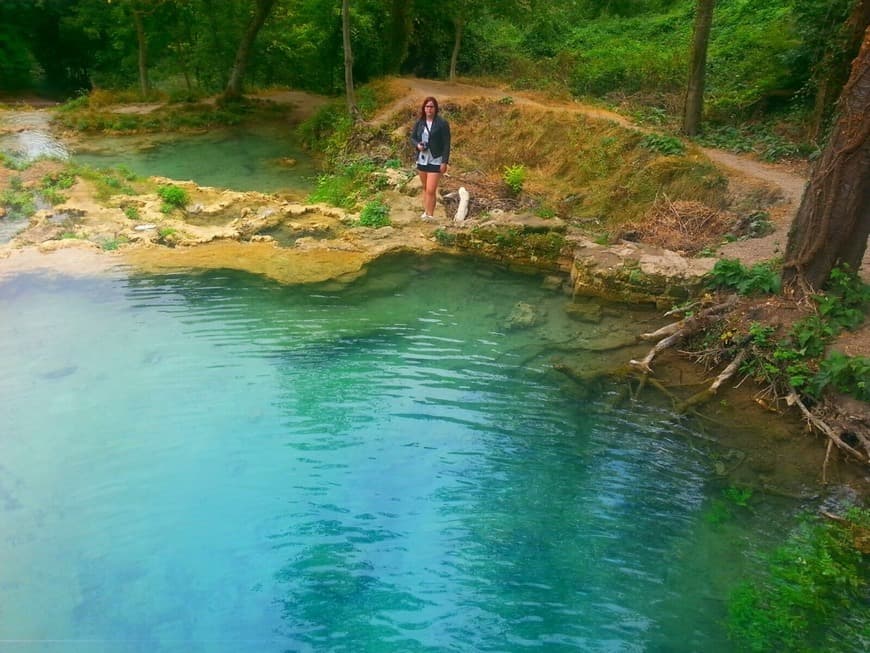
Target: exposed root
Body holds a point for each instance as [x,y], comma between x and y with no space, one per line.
[678,331]
[713,388]
[821,425]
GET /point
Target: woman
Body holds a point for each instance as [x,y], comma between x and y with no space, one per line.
[431,139]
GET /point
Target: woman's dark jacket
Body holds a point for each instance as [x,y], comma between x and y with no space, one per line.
[439,138]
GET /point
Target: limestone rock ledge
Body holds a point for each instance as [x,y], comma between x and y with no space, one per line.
[636,273]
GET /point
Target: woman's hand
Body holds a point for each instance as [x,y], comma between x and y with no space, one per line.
[443,168]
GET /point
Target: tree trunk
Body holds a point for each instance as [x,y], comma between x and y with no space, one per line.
[399,35]
[234,85]
[457,43]
[694,107]
[144,85]
[833,71]
[833,221]
[348,58]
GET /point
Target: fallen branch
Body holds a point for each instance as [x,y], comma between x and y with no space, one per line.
[821,425]
[710,391]
[691,321]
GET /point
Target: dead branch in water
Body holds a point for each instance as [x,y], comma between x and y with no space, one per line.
[708,392]
[674,333]
[821,425]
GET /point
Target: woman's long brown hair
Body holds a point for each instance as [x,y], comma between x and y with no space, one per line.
[423,106]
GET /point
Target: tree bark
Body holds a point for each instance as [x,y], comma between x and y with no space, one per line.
[694,106]
[457,43]
[262,8]
[832,73]
[833,221]
[399,34]
[348,58]
[144,85]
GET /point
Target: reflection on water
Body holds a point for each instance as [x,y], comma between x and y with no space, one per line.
[266,158]
[30,137]
[218,463]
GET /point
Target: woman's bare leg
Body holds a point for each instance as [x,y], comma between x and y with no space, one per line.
[430,185]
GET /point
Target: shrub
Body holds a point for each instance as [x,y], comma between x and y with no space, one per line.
[663,144]
[18,200]
[375,214]
[731,273]
[173,197]
[811,580]
[515,176]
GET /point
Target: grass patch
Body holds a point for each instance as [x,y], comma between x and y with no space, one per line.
[375,214]
[18,201]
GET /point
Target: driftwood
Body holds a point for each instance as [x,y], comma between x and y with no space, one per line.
[462,209]
[814,420]
[711,390]
[674,333]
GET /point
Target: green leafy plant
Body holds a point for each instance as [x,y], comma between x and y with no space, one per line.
[375,214]
[349,184]
[131,212]
[663,144]
[731,273]
[515,177]
[444,237]
[846,299]
[114,243]
[809,582]
[18,200]
[848,374]
[174,197]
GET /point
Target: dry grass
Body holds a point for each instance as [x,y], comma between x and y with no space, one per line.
[684,226]
[578,166]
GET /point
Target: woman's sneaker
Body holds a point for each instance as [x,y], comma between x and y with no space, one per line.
[426,217]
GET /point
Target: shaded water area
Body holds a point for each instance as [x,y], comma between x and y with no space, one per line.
[265,158]
[215,462]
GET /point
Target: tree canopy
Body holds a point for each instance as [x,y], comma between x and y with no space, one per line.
[783,54]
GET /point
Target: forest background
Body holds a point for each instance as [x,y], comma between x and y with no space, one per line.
[774,69]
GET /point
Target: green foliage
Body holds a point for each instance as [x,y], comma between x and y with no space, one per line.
[18,200]
[174,197]
[52,185]
[761,335]
[753,137]
[514,177]
[168,236]
[846,299]
[444,237]
[723,510]
[114,243]
[131,212]
[375,214]
[328,131]
[731,273]
[793,362]
[810,581]
[349,184]
[11,163]
[848,374]
[663,144]
[107,181]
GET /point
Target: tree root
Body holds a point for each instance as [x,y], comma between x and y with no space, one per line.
[671,334]
[821,425]
[711,390]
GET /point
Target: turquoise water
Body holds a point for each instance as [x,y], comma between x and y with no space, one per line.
[218,463]
[242,159]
